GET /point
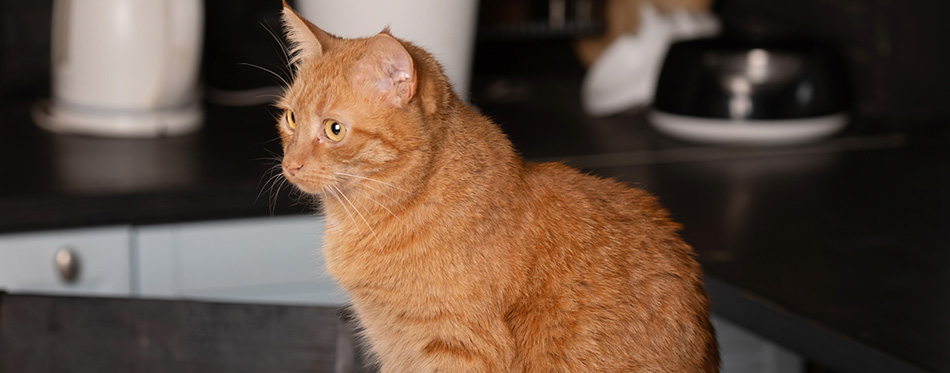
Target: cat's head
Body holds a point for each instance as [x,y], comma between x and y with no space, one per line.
[356,107]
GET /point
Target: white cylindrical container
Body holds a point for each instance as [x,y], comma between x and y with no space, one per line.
[444,28]
[125,68]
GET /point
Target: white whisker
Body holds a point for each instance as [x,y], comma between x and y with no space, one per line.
[371,230]
[286,84]
[377,202]
[273,199]
[391,198]
[277,157]
[371,179]
[279,42]
[331,192]
[269,185]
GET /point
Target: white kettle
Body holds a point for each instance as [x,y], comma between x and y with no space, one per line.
[125,68]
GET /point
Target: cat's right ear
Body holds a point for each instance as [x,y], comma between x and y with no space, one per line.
[389,69]
[307,40]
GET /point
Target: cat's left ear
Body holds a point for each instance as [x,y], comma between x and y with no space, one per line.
[388,68]
[307,40]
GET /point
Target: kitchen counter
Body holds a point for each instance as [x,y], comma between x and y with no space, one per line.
[57,181]
[836,250]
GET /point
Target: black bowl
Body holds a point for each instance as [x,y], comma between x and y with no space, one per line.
[754,84]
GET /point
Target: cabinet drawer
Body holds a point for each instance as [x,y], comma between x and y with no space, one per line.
[269,260]
[99,258]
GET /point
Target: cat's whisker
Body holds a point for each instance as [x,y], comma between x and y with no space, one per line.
[280,184]
[377,190]
[288,55]
[294,193]
[319,201]
[269,184]
[270,178]
[274,157]
[279,41]
[371,179]
[371,230]
[274,161]
[284,81]
[348,213]
[297,194]
[270,141]
[272,201]
[364,194]
[312,199]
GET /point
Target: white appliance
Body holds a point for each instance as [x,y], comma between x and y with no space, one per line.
[124,68]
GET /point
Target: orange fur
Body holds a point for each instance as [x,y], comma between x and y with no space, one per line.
[461,257]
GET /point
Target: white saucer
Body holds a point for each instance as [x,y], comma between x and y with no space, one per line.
[118,123]
[747,132]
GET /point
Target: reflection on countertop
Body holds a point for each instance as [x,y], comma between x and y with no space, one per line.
[98,165]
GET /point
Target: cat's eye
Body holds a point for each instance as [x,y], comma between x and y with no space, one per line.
[335,130]
[291,120]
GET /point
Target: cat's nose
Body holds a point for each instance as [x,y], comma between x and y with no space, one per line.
[292,168]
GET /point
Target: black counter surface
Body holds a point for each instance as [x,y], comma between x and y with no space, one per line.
[62,181]
[839,250]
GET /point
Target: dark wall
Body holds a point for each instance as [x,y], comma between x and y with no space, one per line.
[24,48]
[897,52]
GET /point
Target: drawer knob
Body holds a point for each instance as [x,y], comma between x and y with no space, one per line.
[67,264]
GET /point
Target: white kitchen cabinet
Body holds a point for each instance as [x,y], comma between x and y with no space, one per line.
[267,260]
[98,258]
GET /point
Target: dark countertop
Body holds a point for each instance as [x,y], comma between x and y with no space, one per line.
[56,181]
[837,250]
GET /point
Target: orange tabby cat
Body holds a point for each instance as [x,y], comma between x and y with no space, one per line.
[458,255]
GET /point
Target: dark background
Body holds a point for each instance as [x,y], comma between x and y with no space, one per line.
[897,53]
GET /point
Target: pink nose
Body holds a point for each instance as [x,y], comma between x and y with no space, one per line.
[292,167]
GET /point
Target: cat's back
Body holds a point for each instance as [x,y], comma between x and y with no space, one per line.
[557,187]
[606,222]
[619,278]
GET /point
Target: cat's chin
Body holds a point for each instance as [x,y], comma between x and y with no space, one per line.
[310,189]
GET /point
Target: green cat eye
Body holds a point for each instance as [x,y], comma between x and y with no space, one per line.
[335,131]
[291,121]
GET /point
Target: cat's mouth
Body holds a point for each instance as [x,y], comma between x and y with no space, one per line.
[304,185]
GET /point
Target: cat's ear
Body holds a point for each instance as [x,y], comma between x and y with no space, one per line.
[307,40]
[388,67]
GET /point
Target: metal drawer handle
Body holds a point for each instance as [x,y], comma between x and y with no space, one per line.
[67,264]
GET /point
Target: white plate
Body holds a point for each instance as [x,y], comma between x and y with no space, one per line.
[747,132]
